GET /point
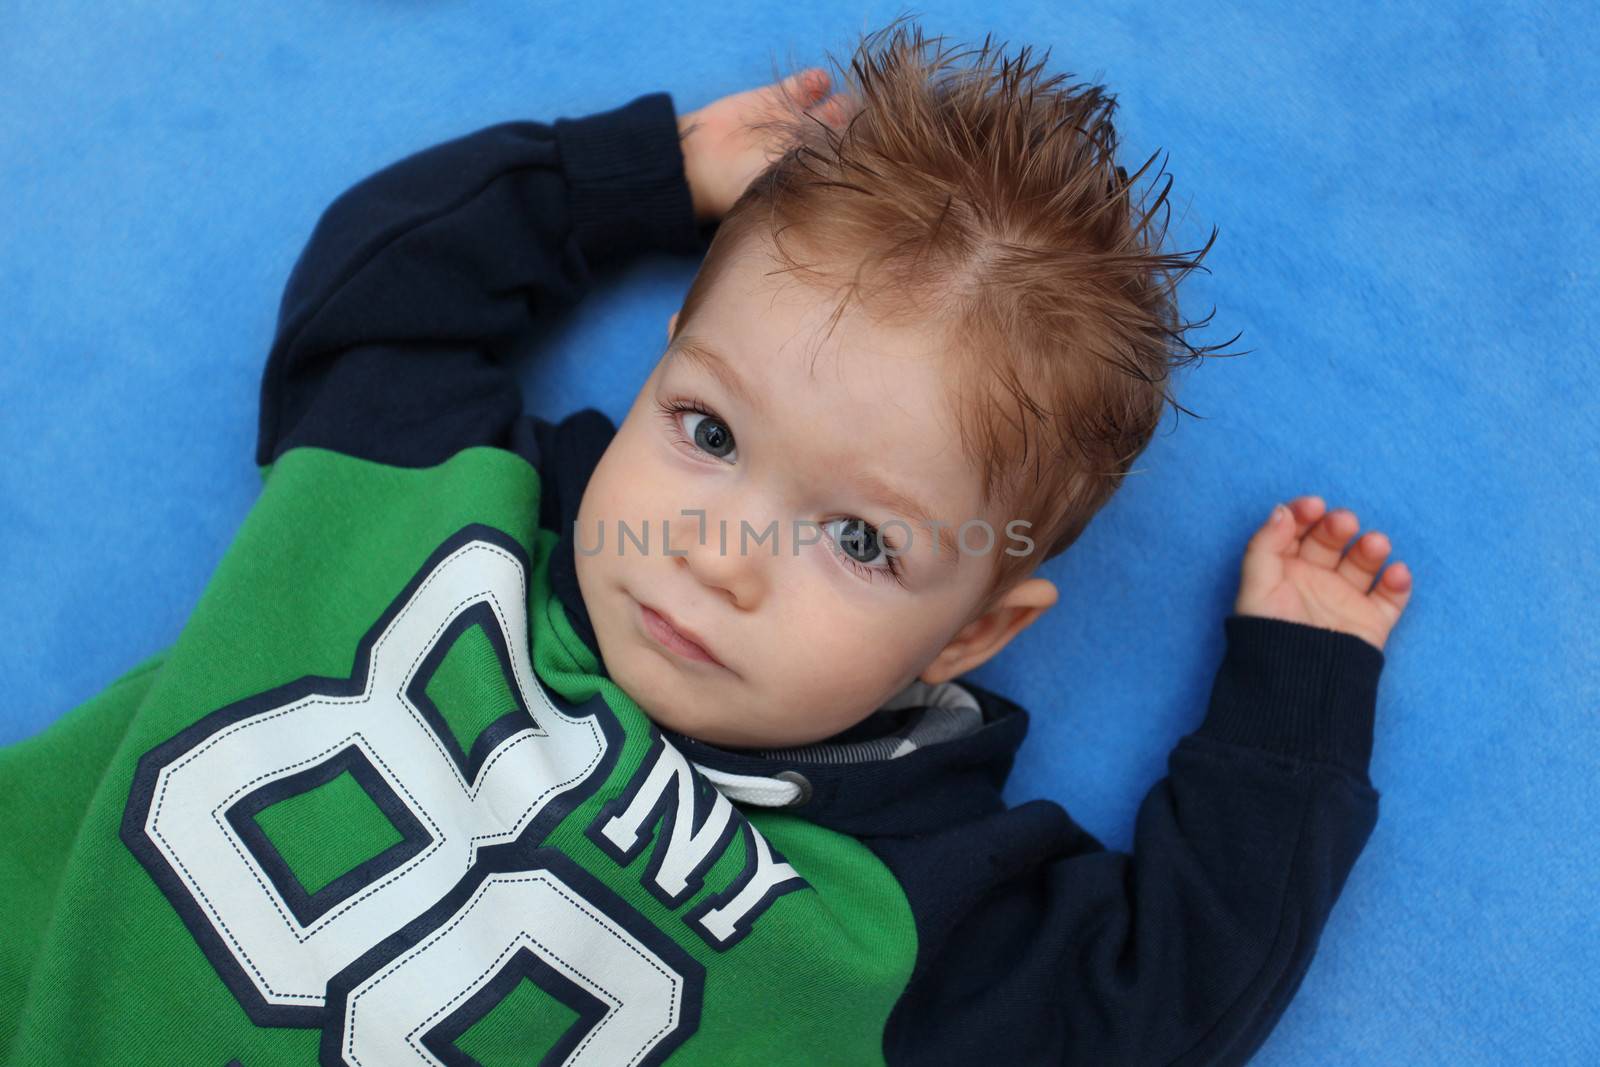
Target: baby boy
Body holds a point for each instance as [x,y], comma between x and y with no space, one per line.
[495,739]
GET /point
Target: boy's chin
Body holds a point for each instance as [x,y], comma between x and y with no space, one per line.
[688,724]
[668,710]
[694,722]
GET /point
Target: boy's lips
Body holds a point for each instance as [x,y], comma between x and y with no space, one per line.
[686,643]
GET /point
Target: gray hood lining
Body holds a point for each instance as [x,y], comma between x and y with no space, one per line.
[950,712]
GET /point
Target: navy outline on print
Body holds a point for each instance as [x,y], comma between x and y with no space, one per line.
[307,906]
[142,790]
[655,826]
[515,858]
[441,1040]
[489,738]
[742,926]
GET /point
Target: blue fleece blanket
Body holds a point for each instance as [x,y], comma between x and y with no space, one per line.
[1405,196]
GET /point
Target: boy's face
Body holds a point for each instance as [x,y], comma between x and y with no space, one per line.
[809,633]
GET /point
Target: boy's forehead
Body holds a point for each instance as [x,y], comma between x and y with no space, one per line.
[887,394]
[792,332]
[787,348]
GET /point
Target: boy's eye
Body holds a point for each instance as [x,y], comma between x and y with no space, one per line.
[698,428]
[709,434]
[859,541]
[862,550]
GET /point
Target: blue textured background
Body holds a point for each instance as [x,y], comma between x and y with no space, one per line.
[1406,199]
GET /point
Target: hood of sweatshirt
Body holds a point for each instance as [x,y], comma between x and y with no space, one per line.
[930,756]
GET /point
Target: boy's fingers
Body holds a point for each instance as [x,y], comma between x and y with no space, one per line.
[1306,510]
[809,85]
[1361,563]
[1273,535]
[831,110]
[1263,555]
[1393,590]
[1324,544]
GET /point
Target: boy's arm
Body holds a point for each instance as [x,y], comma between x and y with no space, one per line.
[395,318]
[1040,946]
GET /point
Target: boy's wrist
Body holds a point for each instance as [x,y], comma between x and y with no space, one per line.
[688,145]
[1297,690]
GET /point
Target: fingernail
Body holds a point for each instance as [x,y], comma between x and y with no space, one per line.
[1278,511]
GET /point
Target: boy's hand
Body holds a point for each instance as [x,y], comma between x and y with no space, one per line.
[1293,570]
[722,155]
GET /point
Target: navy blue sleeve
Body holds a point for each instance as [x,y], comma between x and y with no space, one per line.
[1038,945]
[396,318]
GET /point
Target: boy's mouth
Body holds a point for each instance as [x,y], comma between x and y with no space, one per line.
[667,633]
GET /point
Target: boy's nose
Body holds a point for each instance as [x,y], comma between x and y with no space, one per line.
[727,562]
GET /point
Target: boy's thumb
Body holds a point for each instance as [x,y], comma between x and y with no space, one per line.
[1263,556]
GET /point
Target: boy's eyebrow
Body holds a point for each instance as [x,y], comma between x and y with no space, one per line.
[869,485]
[696,351]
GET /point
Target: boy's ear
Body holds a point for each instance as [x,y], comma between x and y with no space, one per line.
[672,327]
[980,639]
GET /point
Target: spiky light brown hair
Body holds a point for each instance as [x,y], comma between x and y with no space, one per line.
[988,202]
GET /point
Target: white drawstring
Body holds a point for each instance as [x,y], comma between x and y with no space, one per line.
[752,789]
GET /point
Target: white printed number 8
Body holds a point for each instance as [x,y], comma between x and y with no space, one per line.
[394,958]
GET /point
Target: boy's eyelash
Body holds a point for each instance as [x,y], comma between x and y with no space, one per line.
[671,408]
[870,573]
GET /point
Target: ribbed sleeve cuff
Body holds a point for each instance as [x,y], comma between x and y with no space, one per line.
[624,171]
[1298,690]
